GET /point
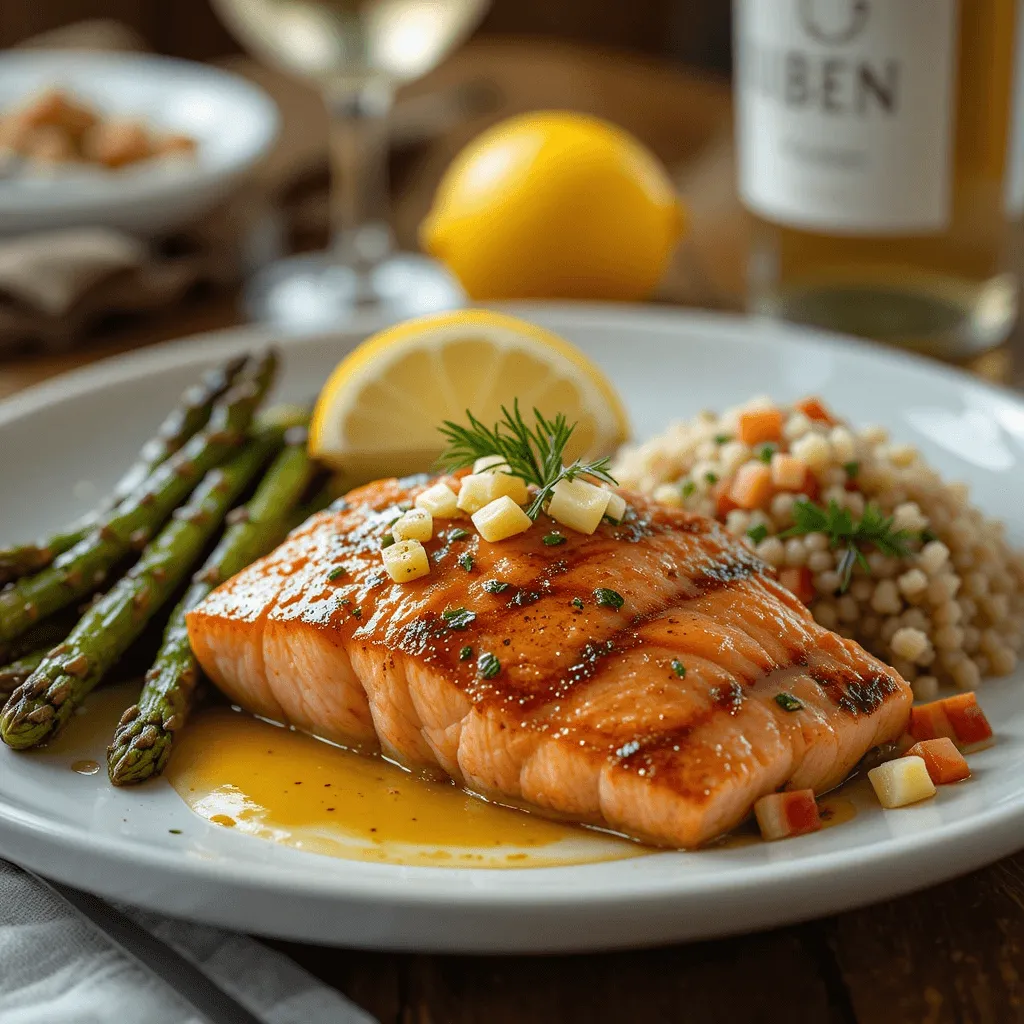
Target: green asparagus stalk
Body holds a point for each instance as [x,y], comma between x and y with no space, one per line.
[45,701]
[79,571]
[186,420]
[145,737]
[13,675]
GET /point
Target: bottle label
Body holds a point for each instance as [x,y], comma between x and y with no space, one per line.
[845,113]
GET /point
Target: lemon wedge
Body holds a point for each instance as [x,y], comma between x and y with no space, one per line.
[379,411]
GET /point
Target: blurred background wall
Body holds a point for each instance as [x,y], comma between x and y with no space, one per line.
[695,32]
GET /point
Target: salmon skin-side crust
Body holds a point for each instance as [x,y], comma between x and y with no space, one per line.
[512,669]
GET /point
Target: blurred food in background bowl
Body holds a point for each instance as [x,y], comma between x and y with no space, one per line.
[228,122]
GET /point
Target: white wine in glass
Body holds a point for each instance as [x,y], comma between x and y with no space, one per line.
[357,52]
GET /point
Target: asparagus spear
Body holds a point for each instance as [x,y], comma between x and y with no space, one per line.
[45,701]
[77,572]
[187,419]
[144,738]
[13,675]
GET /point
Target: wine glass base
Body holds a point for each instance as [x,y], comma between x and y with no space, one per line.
[306,294]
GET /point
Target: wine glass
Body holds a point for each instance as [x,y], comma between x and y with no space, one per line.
[357,52]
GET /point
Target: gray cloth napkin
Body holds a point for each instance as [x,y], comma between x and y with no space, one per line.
[55,968]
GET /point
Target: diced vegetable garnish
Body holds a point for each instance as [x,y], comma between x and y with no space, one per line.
[814,409]
[405,560]
[752,487]
[901,782]
[616,510]
[944,762]
[780,815]
[416,524]
[759,425]
[960,718]
[788,472]
[490,463]
[970,726]
[578,504]
[501,519]
[479,489]
[799,582]
[440,501]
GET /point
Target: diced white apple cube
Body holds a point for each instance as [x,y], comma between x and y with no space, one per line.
[489,463]
[780,815]
[901,782]
[416,524]
[440,501]
[578,504]
[479,489]
[405,560]
[616,510]
[501,519]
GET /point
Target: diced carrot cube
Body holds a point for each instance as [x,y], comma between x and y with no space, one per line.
[929,722]
[967,719]
[959,718]
[752,487]
[759,425]
[810,487]
[814,409]
[944,762]
[780,815]
[725,504]
[800,582]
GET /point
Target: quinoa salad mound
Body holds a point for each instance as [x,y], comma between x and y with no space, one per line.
[859,527]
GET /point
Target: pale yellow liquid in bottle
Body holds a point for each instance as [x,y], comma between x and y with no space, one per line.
[949,294]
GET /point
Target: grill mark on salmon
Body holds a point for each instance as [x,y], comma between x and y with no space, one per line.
[587,716]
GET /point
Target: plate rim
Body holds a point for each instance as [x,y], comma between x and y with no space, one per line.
[983,837]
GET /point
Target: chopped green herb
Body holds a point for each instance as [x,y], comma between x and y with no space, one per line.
[387,541]
[458,533]
[679,668]
[723,438]
[465,654]
[758,533]
[357,612]
[175,831]
[766,453]
[337,572]
[688,489]
[712,478]
[495,586]
[609,598]
[577,602]
[927,536]
[466,561]
[875,529]
[554,539]
[852,469]
[788,702]
[487,665]
[535,454]
[458,618]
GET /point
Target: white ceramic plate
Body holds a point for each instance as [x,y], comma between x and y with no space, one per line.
[61,441]
[233,121]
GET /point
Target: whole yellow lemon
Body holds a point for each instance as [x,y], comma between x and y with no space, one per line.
[555,205]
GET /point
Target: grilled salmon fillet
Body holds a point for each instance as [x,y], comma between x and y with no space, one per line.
[660,718]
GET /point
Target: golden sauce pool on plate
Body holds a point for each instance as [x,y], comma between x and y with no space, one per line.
[271,782]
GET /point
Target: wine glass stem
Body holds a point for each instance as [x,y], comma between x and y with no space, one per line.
[359,208]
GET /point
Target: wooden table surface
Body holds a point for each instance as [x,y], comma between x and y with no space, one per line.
[953,954]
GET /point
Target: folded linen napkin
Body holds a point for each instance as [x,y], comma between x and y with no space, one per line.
[55,968]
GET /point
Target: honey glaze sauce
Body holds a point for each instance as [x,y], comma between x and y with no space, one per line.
[268,781]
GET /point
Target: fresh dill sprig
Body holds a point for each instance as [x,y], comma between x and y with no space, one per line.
[874,529]
[534,453]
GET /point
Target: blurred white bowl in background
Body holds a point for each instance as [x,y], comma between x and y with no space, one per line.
[233,121]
